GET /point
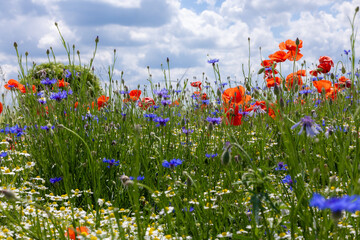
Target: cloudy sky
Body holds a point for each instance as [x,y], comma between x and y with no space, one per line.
[189,32]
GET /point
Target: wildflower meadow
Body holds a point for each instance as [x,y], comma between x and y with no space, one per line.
[203,159]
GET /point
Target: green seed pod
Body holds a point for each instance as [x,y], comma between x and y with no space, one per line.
[226,156]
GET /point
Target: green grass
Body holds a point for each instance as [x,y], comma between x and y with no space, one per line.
[236,193]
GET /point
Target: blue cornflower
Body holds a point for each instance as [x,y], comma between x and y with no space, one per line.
[139,178]
[48,81]
[281,167]
[213,61]
[311,128]
[346,203]
[214,120]
[42,100]
[68,73]
[172,164]
[305,91]
[187,131]
[206,102]
[3,154]
[347,52]
[161,121]
[47,128]
[287,180]
[211,155]
[124,92]
[17,130]
[165,102]
[55,180]
[215,112]
[166,96]
[58,96]
[191,209]
[161,92]
[111,162]
[177,91]
[150,116]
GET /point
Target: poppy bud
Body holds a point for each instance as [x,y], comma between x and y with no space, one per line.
[226,156]
[78,52]
[297,42]
[356,9]
[261,70]
[167,60]
[281,102]
[15,45]
[343,70]
[47,51]
[97,39]
[26,54]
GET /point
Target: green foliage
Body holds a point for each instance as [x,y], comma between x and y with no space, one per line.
[58,71]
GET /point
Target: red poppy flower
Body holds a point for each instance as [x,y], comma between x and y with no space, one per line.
[271,82]
[12,83]
[279,56]
[325,64]
[295,76]
[233,116]
[146,102]
[175,103]
[290,45]
[62,83]
[268,63]
[322,84]
[22,88]
[1,107]
[134,95]
[343,79]
[235,95]
[204,96]
[79,231]
[196,84]
[102,101]
[293,50]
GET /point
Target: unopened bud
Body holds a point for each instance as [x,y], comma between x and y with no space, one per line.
[226,156]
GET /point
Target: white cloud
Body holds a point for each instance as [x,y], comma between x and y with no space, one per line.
[184,35]
[122,3]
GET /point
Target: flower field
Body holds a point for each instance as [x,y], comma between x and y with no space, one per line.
[202,159]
